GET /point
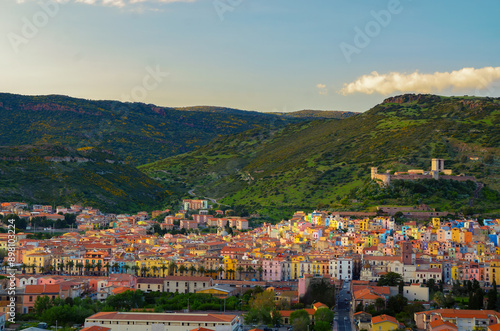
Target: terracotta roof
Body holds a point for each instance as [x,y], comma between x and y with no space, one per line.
[213,318]
[436,323]
[203,329]
[42,289]
[384,318]
[494,327]
[95,328]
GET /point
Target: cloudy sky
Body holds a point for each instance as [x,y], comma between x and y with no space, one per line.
[266,55]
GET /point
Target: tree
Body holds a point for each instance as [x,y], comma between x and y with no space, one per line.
[239,269]
[397,303]
[299,320]
[322,326]
[323,314]
[492,296]
[379,304]
[263,300]
[252,317]
[319,290]
[42,303]
[276,318]
[390,279]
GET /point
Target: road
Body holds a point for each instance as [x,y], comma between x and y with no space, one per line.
[342,319]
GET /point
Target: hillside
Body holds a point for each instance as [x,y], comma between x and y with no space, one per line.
[317,114]
[61,176]
[138,133]
[326,163]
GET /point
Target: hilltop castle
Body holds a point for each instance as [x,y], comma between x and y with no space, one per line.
[437,171]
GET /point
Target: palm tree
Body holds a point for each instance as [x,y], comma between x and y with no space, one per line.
[33,267]
[230,272]
[70,266]
[251,270]
[99,267]
[79,266]
[155,270]
[192,268]
[240,269]
[182,269]
[87,267]
[61,267]
[116,266]
[126,267]
[42,269]
[51,268]
[220,270]
[136,269]
[260,270]
[201,270]
[23,266]
[107,266]
[171,268]
[163,268]
[144,271]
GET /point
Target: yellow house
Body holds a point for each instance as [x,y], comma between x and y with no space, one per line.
[38,258]
[384,323]
[495,271]
[455,235]
[296,265]
[455,272]
[480,248]
[363,225]
[153,267]
[230,266]
[436,223]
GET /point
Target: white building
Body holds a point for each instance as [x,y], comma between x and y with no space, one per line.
[132,321]
[341,268]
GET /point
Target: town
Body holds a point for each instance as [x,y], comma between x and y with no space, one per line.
[380,272]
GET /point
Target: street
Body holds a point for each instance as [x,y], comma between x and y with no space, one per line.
[342,320]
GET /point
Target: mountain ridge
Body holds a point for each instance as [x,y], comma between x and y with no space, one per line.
[321,162]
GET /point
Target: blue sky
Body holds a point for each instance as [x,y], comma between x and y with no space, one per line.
[265,55]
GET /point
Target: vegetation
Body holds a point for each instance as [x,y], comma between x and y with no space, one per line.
[325,163]
[136,132]
[319,290]
[390,279]
[70,311]
[61,176]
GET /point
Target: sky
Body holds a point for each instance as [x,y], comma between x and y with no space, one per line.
[264,55]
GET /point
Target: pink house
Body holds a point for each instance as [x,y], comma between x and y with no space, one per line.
[272,270]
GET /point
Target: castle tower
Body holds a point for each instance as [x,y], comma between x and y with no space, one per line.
[437,165]
[407,253]
[374,172]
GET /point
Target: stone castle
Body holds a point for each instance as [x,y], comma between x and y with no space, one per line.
[437,171]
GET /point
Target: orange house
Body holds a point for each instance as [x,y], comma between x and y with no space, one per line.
[32,292]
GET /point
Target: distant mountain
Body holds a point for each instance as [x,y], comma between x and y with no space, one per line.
[60,176]
[136,132]
[326,163]
[317,114]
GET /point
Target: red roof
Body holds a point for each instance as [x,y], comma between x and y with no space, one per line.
[384,318]
[95,328]
[449,325]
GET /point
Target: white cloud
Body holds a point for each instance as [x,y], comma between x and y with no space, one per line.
[466,78]
[322,89]
[114,3]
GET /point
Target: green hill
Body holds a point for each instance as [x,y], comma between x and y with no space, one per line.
[326,163]
[136,132]
[317,114]
[61,176]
